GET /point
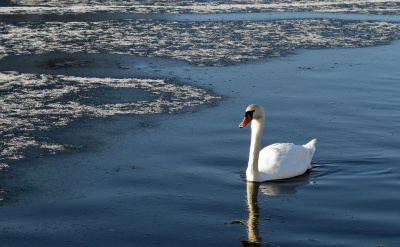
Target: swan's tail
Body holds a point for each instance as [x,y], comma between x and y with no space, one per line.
[311,146]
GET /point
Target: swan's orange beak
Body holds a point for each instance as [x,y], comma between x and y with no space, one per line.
[245,121]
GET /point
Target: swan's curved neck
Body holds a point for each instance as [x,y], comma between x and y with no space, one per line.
[252,173]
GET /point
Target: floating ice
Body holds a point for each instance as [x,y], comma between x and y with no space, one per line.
[208,6]
[31,102]
[200,43]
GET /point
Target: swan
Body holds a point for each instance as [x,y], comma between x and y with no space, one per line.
[278,160]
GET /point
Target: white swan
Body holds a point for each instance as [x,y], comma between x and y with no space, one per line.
[276,161]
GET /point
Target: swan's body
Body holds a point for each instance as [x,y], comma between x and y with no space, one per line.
[276,161]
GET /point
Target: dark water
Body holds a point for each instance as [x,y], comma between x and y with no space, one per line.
[123,177]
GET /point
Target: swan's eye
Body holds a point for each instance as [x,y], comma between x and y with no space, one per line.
[249,114]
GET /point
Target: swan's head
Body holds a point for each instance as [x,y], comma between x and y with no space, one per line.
[252,112]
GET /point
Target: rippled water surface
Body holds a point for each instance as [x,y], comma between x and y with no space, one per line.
[119,122]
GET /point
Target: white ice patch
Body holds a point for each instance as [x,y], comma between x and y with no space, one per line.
[3,166]
[32,102]
[200,43]
[210,6]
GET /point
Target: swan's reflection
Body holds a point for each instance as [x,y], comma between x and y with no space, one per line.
[254,238]
[285,186]
[273,188]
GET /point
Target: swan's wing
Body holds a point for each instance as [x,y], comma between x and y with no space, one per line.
[283,160]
